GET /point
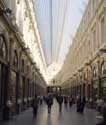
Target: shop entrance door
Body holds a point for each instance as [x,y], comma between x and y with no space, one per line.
[3,93]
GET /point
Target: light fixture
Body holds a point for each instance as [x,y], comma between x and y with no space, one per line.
[103,50]
[7,11]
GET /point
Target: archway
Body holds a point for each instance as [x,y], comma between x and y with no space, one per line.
[103,80]
[3,75]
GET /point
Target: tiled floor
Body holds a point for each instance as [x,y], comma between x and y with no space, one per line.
[68,116]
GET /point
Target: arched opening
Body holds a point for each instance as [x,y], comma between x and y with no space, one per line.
[22,65]
[3,74]
[14,81]
[15,59]
[103,68]
[94,73]
[3,48]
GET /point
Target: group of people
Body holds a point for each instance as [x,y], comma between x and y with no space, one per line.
[101,109]
[67,100]
[80,104]
[39,100]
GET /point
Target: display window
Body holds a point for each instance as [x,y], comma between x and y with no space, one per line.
[3,49]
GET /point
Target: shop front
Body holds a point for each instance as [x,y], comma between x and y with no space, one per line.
[95,90]
[3,90]
[3,76]
[21,93]
[14,90]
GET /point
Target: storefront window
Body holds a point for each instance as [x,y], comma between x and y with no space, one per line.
[3,51]
[103,68]
[94,72]
[22,65]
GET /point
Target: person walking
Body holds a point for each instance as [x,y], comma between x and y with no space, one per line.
[41,100]
[70,101]
[34,104]
[8,109]
[60,101]
[99,104]
[103,122]
[65,100]
[78,103]
[82,105]
[49,101]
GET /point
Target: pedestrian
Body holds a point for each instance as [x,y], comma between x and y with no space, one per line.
[34,105]
[70,101]
[41,100]
[65,100]
[8,109]
[104,115]
[49,101]
[60,101]
[82,104]
[99,105]
[78,103]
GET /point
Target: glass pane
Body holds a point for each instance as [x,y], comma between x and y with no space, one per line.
[2,47]
[4,51]
[103,30]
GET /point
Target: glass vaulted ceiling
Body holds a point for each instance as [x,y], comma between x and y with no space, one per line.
[58,21]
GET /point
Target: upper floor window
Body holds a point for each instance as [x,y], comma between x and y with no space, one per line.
[22,65]
[11,4]
[94,4]
[89,47]
[94,39]
[3,50]
[15,59]
[27,69]
[103,30]
[103,68]
[94,73]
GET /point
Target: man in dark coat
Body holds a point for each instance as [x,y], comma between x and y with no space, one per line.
[49,101]
[34,105]
[60,101]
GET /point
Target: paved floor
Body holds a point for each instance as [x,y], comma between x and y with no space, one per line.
[67,117]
